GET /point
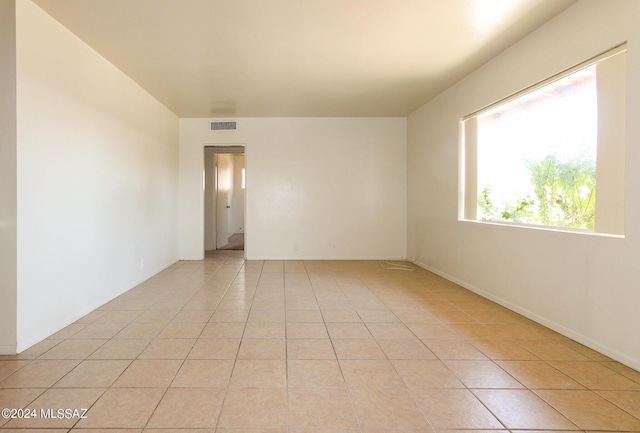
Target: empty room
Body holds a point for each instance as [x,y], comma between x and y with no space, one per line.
[344,216]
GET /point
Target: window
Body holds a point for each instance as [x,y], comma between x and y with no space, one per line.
[553,154]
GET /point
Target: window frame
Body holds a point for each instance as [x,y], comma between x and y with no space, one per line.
[610,157]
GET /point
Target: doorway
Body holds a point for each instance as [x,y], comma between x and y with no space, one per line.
[224,197]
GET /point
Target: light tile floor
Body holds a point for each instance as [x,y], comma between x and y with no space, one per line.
[228,346]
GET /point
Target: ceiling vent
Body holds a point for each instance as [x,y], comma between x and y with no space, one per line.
[223,126]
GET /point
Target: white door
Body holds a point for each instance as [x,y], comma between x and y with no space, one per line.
[224,197]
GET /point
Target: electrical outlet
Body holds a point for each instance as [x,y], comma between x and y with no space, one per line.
[296,247]
[141,263]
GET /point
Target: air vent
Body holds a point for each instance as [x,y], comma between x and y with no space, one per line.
[223,126]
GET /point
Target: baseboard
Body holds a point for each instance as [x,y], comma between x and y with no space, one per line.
[561,329]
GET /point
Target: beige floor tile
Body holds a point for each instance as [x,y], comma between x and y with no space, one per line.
[123,430]
[357,348]
[120,349]
[426,374]
[323,373]
[583,350]
[78,401]
[448,409]
[295,266]
[215,348]
[503,350]
[92,317]
[341,316]
[422,430]
[482,374]
[260,373]
[254,408]
[204,373]
[310,348]
[129,304]
[455,316]
[276,266]
[454,349]
[267,316]
[68,331]
[182,330]
[595,376]
[405,349]
[169,348]
[496,316]
[301,298]
[8,367]
[262,348]
[366,304]
[626,400]
[306,330]
[146,330]
[387,409]
[18,398]
[93,374]
[512,331]
[474,331]
[148,373]
[150,316]
[433,331]
[378,316]
[252,430]
[415,316]
[223,330]
[589,411]
[303,315]
[539,375]
[230,316]
[522,409]
[203,306]
[435,304]
[253,355]
[235,304]
[623,370]
[119,316]
[551,350]
[321,408]
[39,374]
[265,330]
[543,431]
[73,349]
[182,408]
[386,331]
[370,374]
[123,408]
[348,330]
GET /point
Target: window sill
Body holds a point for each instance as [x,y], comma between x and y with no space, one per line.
[565,230]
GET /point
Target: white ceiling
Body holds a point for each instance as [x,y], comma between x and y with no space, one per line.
[257,58]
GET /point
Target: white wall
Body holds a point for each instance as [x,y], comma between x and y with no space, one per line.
[97,177]
[587,287]
[8,135]
[311,183]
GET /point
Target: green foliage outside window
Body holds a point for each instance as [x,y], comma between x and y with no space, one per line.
[564,195]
